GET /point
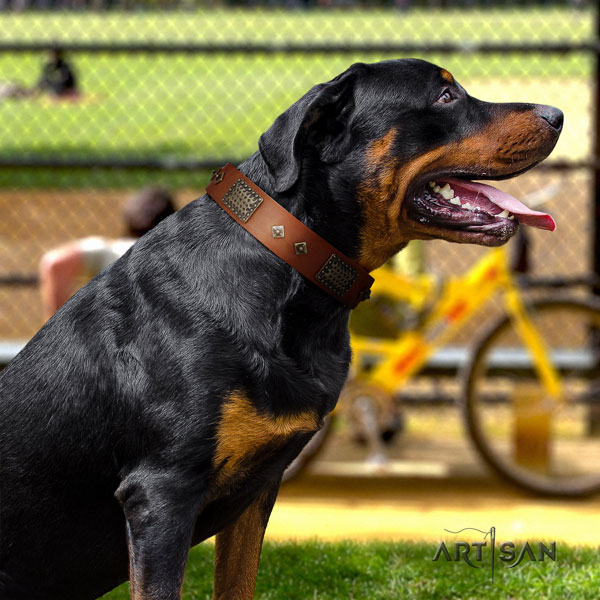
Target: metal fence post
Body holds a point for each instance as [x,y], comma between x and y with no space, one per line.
[596,159]
[594,415]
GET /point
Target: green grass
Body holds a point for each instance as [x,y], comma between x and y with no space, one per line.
[190,106]
[94,179]
[391,571]
[304,26]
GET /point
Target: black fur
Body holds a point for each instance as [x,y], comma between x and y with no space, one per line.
[112,408]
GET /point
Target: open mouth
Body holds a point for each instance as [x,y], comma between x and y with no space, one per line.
[472,212]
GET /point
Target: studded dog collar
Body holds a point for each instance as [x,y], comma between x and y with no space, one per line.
[288,238]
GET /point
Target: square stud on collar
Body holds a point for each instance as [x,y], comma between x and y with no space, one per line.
[301,248]
[218,175]
[278,231]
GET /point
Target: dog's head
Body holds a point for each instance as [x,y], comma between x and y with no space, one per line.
[407,139]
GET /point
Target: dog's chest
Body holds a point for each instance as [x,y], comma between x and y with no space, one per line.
[247,436]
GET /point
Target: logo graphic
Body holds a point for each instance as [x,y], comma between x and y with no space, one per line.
[507,551]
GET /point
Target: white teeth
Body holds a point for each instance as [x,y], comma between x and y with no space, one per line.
[503,214]
[436,188]
[447,192]
[432,184]
[468,206]
[511,217]
[455,200]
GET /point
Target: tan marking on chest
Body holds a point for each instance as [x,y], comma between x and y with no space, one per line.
[243,430]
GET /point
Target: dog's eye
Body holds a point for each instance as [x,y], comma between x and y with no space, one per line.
[445,98]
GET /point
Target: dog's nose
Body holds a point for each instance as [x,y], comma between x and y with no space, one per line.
[553,116]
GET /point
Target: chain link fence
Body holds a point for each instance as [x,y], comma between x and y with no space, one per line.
[167,91]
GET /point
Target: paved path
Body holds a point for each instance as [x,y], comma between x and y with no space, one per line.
[421,507]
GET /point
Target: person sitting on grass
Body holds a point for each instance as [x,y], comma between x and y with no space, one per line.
[66,268]
[57,78]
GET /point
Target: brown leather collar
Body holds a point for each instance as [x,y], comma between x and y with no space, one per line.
[288,238]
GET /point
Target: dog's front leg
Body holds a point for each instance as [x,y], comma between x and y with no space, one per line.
[237,550]
[160,518]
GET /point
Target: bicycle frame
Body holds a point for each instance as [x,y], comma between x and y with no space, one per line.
[460,299]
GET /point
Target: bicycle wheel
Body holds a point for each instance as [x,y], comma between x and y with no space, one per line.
[544,444]
[308,453]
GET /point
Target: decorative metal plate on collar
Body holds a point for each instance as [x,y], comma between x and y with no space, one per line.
[242,200]
[336,275]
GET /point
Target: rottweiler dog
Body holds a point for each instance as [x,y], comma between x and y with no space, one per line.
[162,403]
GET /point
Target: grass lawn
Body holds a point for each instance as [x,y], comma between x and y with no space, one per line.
[240,25]
[392,571]
[216,106]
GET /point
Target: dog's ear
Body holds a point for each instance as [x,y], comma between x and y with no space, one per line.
[319,119]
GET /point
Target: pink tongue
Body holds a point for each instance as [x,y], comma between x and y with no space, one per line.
[505,201]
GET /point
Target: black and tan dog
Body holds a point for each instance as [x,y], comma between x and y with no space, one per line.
[162,403]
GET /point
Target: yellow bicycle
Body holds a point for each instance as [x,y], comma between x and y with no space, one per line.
[531,384]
